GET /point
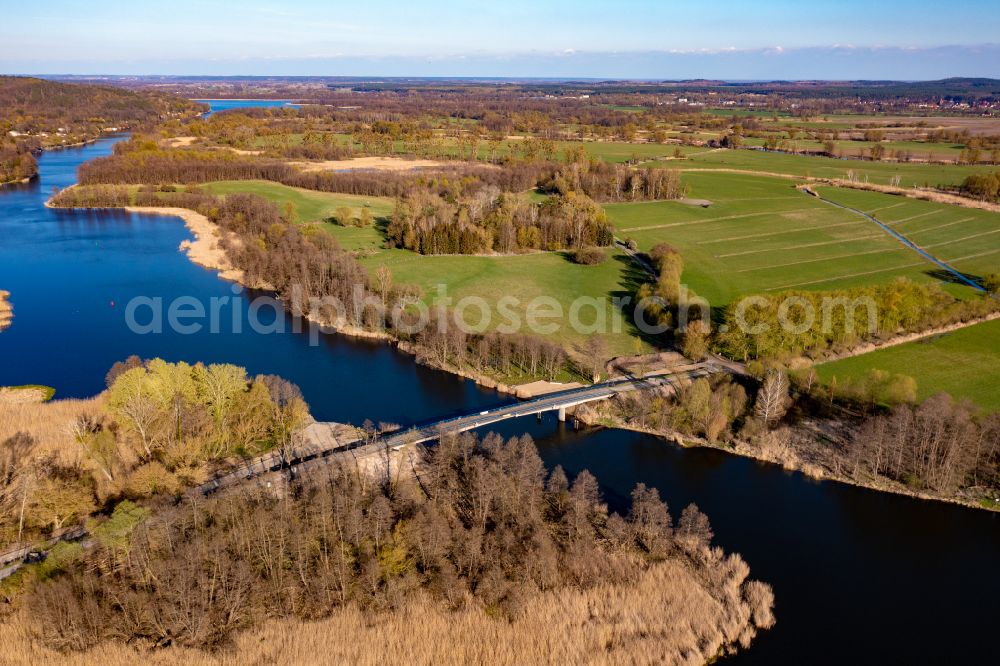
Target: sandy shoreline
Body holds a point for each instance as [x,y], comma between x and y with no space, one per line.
[6,309]
[206,249]
[20,181]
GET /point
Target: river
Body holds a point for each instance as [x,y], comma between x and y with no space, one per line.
[859,576]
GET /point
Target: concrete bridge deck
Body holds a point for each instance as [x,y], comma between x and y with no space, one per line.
[321,441]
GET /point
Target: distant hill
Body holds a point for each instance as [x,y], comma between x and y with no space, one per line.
[32,106]
[36,114]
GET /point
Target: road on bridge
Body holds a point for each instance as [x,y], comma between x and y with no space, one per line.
[548,403]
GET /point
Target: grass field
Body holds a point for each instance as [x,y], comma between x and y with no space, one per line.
[827,167]
[918,150]
[311,206]
[964,363]
[761,234]
[523,277]
[968,239]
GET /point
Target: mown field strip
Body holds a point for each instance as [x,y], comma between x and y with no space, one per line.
[844,277]
[787,231]
[975,256]
[813,261]
[838,241]
[781,198]
[717,219]
[895,205]
[942,226]
[909,243]
[964,238]
[912,217]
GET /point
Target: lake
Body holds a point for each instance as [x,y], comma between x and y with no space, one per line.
[228,104]
[859,576]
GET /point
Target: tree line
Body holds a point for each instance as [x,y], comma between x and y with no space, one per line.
[513,354]
[611,182]
[940,445]
[141,160]
[820,322]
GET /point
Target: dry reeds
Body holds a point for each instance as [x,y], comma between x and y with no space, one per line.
[666,617]
[48,423]
[6,309]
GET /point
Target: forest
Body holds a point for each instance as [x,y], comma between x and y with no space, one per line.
[33,106]
[158,429]
[491,221]
[482,526]
[36,114]
[17,163]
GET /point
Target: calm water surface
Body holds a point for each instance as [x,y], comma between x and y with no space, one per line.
[71,275]
[227,104]
[859,577]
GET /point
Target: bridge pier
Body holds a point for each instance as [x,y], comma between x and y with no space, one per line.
[562,414]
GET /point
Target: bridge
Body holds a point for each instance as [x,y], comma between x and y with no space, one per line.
[553,402]
[322,442]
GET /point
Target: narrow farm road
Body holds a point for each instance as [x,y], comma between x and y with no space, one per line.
[902,239]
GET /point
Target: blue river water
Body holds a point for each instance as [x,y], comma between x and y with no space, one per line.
[860,577]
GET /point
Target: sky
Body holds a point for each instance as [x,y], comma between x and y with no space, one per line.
[641,39]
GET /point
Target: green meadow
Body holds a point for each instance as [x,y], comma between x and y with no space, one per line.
[966,238]
[910,174]
[522,277]
[964,363]
[761,234]
[918,150]
[316,207]
[310,205]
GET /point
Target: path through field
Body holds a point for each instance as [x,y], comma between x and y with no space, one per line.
[902,239]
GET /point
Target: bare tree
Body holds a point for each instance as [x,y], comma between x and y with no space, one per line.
[772,399]
[383,281]
[596,350]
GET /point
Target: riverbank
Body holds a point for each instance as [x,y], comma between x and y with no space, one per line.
[206,250]
[795,449]
[21,181]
